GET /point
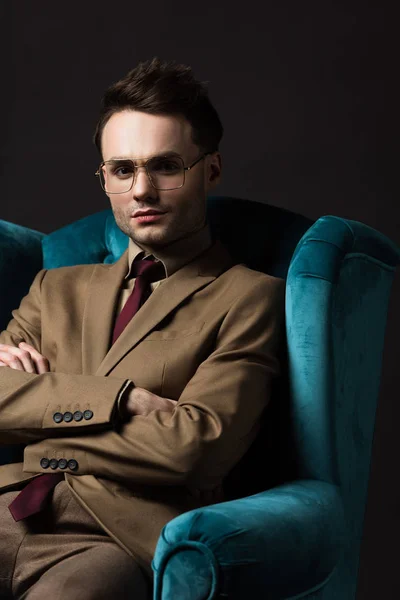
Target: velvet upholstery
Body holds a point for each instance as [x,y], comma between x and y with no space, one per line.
[292,524]
[20,259]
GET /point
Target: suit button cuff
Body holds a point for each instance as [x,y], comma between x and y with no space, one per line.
[58,417]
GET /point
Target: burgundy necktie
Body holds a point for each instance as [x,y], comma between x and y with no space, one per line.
[145,271]
[33,497]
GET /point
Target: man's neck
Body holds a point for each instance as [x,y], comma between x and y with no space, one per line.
[176,254]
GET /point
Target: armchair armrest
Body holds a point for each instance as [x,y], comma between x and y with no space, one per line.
[274,544]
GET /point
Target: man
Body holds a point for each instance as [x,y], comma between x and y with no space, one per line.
[141,420]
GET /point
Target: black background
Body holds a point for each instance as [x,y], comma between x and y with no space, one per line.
[306,93]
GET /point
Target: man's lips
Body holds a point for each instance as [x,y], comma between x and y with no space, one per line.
[149,216]
[144,213]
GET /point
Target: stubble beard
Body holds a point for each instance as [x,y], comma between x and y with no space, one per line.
[149,236]
[155,239]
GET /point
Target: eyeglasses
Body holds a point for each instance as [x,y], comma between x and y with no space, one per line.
[164,172]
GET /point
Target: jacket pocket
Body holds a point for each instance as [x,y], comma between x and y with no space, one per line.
[173,334]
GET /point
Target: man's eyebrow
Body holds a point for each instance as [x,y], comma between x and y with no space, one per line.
[159,154]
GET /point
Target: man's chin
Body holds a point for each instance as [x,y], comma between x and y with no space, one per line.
[151,239]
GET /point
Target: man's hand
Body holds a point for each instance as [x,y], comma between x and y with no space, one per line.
[142,402]
[23,358]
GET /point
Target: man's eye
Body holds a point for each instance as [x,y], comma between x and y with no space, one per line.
[165,166]
[122,171]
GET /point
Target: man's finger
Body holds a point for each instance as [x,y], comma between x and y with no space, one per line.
[142,402]
[26,360]
[41,363]
[17,358]
[11,361]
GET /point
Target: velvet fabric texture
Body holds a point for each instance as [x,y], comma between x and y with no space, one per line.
[292,524]
[20,260]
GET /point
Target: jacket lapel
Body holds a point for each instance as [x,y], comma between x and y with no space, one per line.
[105,288]
[98,318]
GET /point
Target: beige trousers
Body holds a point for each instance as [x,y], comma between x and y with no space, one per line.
[63,554]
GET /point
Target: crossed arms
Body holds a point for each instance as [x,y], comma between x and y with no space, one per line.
[210,426]
[136,401]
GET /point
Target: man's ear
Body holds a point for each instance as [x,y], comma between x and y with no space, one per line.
[214,168]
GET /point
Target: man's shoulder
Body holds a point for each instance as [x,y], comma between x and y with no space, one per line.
[242,278]
[72,276]
[75,270]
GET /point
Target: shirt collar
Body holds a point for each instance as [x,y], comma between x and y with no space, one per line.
[175,255]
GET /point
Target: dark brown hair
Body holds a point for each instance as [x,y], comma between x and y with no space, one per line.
[164,88]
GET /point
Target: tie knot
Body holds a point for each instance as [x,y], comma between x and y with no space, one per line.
[147,268]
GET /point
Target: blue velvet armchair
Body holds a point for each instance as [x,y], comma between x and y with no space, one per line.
[292,524]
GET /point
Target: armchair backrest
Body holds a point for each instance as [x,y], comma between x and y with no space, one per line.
[20,260]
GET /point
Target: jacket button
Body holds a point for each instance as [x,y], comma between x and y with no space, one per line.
[53,463]
[62,463]
[88,414]
[78,415]
[58,417]
[44,463]
[68,417]
[73,464]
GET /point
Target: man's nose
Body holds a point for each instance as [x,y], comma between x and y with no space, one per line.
[142,185]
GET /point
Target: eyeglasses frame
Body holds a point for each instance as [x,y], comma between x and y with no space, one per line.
[188,168]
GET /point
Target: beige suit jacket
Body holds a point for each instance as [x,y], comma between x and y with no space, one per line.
[208,338]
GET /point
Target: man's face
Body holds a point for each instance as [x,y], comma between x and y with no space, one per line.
[137,135]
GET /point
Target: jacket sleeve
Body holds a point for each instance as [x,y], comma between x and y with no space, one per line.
[29,402]
[215,419]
